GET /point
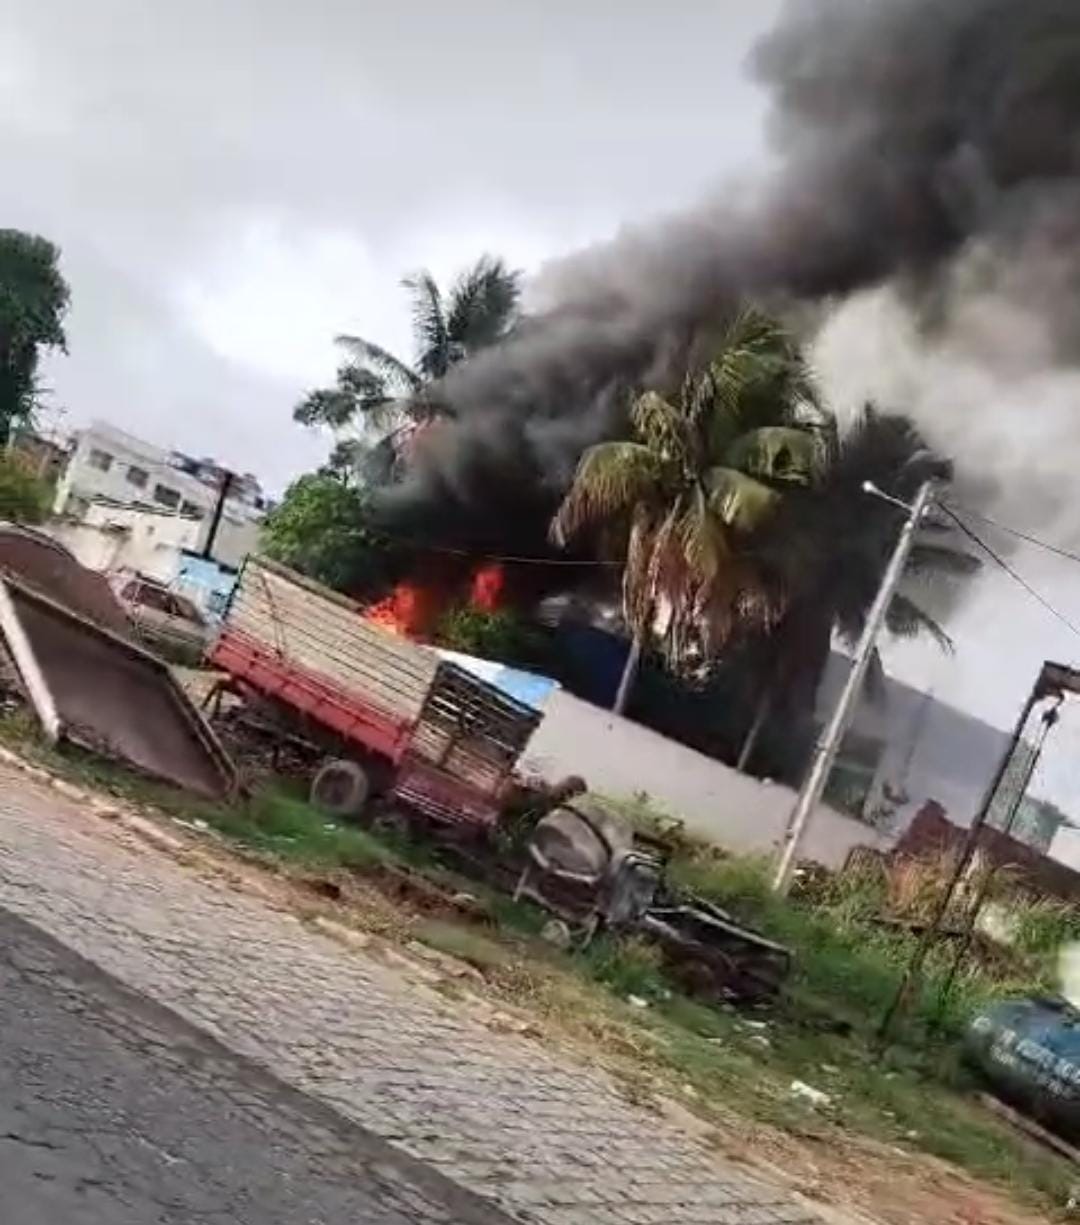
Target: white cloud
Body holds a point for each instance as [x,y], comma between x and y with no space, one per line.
[273,296]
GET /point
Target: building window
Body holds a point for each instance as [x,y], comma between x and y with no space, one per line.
[166,496]
[192,510]
[101,460]
[137,477]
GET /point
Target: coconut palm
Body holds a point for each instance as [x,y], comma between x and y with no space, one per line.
[378,393]
[829,548]
[700,473]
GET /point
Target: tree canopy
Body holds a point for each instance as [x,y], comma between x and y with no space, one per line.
[320,528]
[701,472]
[381,394]
[24,496]
[34,298]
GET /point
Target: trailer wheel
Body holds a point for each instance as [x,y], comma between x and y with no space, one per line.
[340,788]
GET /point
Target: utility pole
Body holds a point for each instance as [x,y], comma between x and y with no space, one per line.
[1049,720]
[971,843]
[1054,681]
[829,743]
[224,488]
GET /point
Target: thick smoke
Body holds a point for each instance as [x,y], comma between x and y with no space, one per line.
[927,150]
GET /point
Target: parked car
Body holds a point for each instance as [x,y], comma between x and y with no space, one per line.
[163,619]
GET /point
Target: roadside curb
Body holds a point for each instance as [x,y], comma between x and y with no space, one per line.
[105,807]
[422,966]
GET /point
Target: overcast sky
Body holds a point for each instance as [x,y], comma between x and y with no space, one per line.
[235,181]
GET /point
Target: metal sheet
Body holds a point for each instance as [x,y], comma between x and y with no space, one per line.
[113,698]
[36,560]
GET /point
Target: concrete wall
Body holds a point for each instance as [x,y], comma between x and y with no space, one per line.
[622,759]
[113,538]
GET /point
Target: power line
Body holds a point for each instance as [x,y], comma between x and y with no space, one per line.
[1013,531]
[1000,561]
[480,555]
[588,563]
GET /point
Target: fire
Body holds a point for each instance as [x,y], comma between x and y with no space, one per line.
[413,608]
[488,583]
[409,610]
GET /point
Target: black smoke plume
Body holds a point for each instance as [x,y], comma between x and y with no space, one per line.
[907,133]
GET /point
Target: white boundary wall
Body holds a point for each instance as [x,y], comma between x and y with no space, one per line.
[717,803]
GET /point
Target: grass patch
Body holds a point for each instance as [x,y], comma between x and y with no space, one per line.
[846,967]
[629,967]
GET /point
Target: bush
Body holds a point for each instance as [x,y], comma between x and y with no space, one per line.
[280,822]
[24,496]
[500,635]
[847,964]
[628,967]
[322,528]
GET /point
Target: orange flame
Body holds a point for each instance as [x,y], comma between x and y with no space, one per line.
[488,583]
[413,608]
[409,610]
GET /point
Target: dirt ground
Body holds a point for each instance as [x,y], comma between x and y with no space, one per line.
[849,1178]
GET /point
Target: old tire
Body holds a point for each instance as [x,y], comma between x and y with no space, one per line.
[340,789]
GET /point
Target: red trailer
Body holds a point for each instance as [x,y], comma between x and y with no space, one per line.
[392,716]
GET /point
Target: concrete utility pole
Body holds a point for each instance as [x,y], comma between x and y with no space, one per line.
[833,735]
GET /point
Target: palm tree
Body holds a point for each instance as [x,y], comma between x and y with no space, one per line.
[378,392]
[829,547]
[700,473]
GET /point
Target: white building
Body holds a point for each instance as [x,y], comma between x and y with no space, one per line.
[116,486]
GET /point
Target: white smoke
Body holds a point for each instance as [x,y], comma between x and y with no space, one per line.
[985,383]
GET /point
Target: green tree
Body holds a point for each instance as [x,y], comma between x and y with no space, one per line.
[829,547]
[33,301]
[380,394]
[320,529]
[500,634]
[24,496]
[701,473]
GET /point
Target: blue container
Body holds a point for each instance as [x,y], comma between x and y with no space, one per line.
[1029,1051]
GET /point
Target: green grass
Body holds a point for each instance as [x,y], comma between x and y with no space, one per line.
[629,967]
[916,1095]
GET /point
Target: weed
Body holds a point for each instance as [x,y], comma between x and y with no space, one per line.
[846,968]
[300,832]
[628,967]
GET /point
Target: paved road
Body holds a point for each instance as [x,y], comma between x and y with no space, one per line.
[115,1112]
[525,1125]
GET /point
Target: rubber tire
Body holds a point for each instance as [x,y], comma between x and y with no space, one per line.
[340,789]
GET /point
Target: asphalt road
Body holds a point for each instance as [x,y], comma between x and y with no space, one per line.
[115,1112]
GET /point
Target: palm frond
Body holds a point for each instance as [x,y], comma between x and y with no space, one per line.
[761,363]
[483,305]
[612,477]
[658,425]
[347,459]
[784,454]
[393,369]
[704,541]
[638,594]
[433,350]
[329,407]
[906,619]
[740,501]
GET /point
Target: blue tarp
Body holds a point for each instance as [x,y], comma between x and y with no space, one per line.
[530,688]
